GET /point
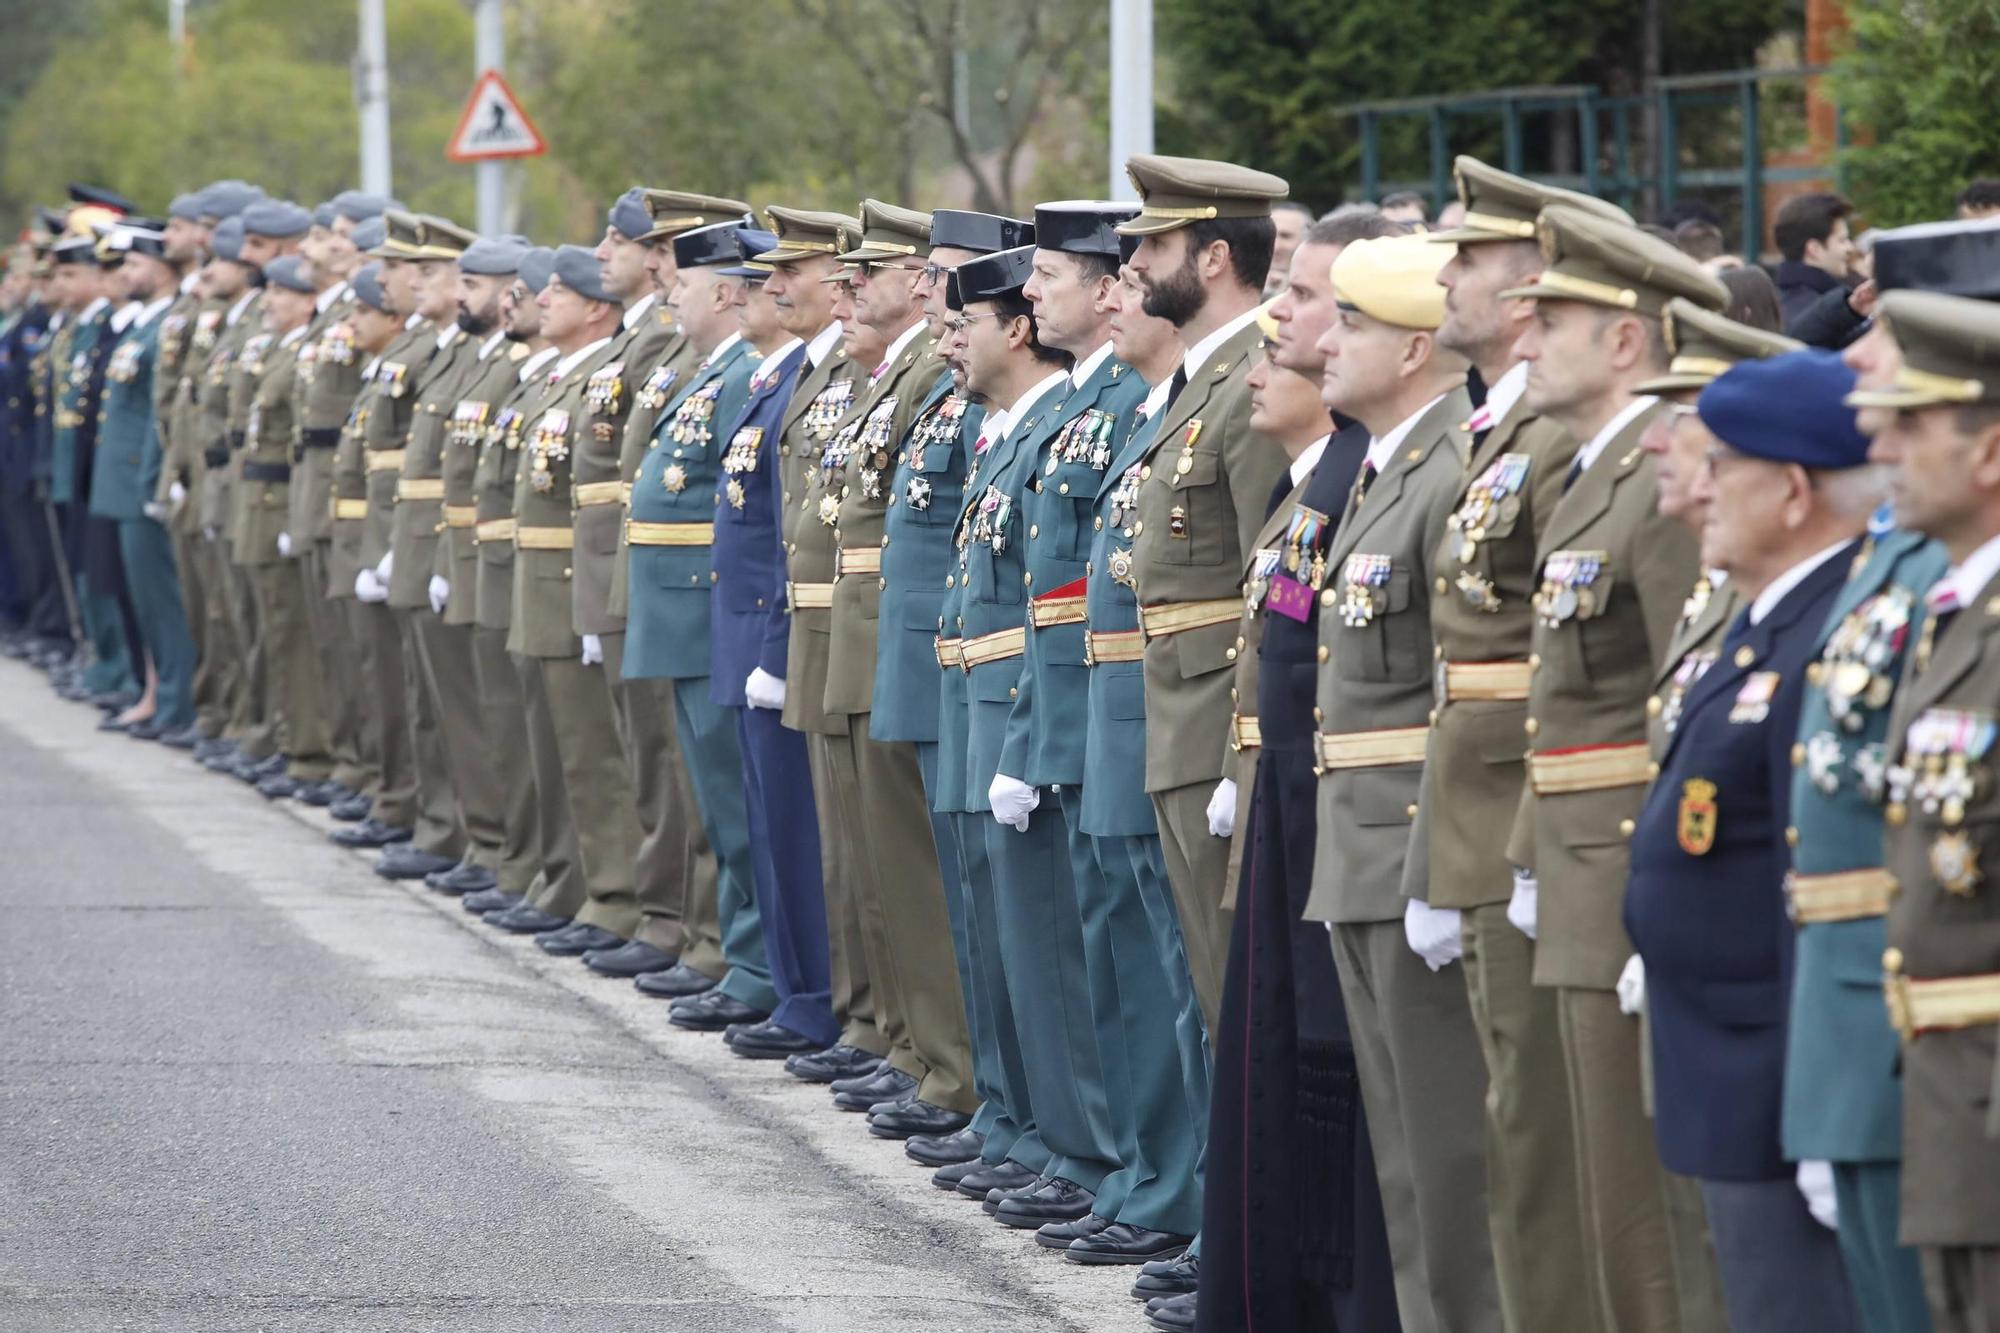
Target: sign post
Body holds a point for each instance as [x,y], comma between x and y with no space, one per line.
[493,127]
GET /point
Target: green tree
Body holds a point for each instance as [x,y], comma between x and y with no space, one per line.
[1919,84]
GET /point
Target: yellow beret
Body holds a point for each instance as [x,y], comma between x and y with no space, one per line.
[1393,279]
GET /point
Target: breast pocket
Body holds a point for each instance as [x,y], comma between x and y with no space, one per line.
[1199,524]
[1393,644]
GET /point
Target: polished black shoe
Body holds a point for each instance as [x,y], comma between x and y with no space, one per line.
[464,877]
[114,701]
[1123,1243]
[960,1147]
[1174,1314]
[1060,1235]
[279,788]
[947,1177]
[983,1180]
[110,722]
[522,919]
[675,983]
[150,729]
[836,1062]
[884,1085]
[406,862]
[187,738]
[491,900]
[996,1197]
[712,1011]
[577,939]
[268,767]
[210,747]
[352,810]
[1167,1277]
[631,959]
[1058,1201]
[319,795]
[903,1119]
[370,833]
[769,1041]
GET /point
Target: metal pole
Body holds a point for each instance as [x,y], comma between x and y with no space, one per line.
[177,27]
[1131,89]
[489,51]
[371,96]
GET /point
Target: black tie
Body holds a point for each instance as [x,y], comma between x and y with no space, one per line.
[1575,471]
[1179,382]
[1362,483]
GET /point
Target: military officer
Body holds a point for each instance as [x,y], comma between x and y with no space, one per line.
[669,541]
[1788,500]
[44,622]
[749,633]
[1936,425]
[1613,578]
[1206,238]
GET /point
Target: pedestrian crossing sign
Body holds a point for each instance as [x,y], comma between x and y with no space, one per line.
[493,125]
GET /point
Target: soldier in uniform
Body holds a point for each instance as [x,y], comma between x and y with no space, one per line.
[669,539]
[44,620]
[1937,423]
[1613,578]
[1787,501]
[1206,238]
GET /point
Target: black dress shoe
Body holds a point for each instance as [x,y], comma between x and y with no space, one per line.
[630,959]
[406,862]
[268,767]
[525,920]
[675,983]
[915,1117]
[465,877]
[1168,1277]
[961,1146]
[769,1041]
[114,701]
[836,1062]
[369,833]
[996,1197]
[319,795]
[110,722]
[1123,1243]
[209,747]
[149,729]
[1175,1314]
[947,1176]
[1058,1201]
[187,738]
[352,810]
[1059,1235]
[577,940]
[982,1181]
[712,1011]
[885,1085]
[280,787]
[490,900]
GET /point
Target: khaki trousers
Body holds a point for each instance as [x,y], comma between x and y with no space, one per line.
[339,673]
[1197,869]
[560,890]
[294,676]
[437,827]
[503,721]
[602,809]
[478,795]
[379,656]
[251,724]
[854,1005]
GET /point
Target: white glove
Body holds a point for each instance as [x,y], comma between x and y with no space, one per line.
[154,510]
[388,563]
[1432,933]
[1631,986]
[1816,1183]
[1521,907]
[177,493]
[593,647]
[369,588]
[1222,809]
[209,532]
[764,690]
[440,594]
[285,545]
[1012,800]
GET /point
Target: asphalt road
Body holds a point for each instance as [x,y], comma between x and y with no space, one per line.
[246,1084]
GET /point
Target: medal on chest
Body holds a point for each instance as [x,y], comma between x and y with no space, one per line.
[550,446]
[1753,700]
[874,445]
[336,345]
[1085,441]
[468,422]
[1364,583]
[828,406]
[940,425]
[1857,670]
[1569,581]
[739,460]
[393,378]
[1125,498]
[1494,498]
[693,422]
[652,395]
[1691,669]
[603,395]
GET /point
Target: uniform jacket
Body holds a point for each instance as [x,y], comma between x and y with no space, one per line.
[925,496]
[861,524]
[1474,771]
[954,695]
[1191,541]
[821,424]
[1843,1100]
[680,482]
[390,412]
[21,347]
[598,482]
[224,400]
[79,382]
[348,479]
[1375,623]
[327,377]
[493,489]
[480,394]
[128,442]
[654,386]
[1072,453]
[419,514]
[746,619]
[1587,688]
[264,465]
[1696,643]
[543,616]
[170,365]
[1706,905]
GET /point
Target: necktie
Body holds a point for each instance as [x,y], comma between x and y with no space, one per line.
[1480,421]
[1179,382]
[1575,471]
[876,373]
[1362,483]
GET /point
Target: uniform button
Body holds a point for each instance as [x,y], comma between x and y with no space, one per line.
[950,580]
[1410,810]
[1063,489]
[566,571]
[1013,691]
[1654,706]
[1434,717]
[1138,527]
[1895,813]
[1815,674]
[1146,472]
[1234,697]
[843,492]
[1625,827]
[1097,524]
[1440,585]
[881,583]
[1531,726]
[1745,655]
[1652,770]
[1534,661]
[760,601]
[1239,641]
[1322,652]
[1034,530]
[885,541]
[1326,598]
[1229,653]
[1437,652]
[1792,836]
[1798,755]
[1319,714]
[1892,960]
[713,576]
[1028,579]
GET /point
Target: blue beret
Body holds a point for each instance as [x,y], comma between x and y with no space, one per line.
[750,243]
[289,272]
[226,241]
[186,207]
[630,214]
[226,199]
[581,273]
[323,214]
[536,267]
[276,217]
[367,284]
[1787,409]
[369,233]
[493,256]
[357,206]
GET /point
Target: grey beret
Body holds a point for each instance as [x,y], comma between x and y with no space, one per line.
[581,273]
[226,199]
[276,217]
[630,214]
[323,214]
[289,272]
[226,241]
[493,256]
[358,206]
[369,234]
[537,264]
[186,207]
[367,284]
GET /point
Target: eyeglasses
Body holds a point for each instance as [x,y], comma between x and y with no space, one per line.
[931,273]
[872,267]
[958,325]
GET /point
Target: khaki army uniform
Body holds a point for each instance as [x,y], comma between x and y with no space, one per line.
[171,420]
[383,748]
[225,406]
[191,343]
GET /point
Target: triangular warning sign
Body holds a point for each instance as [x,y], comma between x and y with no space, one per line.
[494,125]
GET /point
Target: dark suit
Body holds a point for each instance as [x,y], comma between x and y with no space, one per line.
[21,513]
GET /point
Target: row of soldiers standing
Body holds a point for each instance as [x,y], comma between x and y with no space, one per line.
[1119,735]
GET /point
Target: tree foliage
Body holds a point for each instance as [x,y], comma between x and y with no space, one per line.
[1919,83]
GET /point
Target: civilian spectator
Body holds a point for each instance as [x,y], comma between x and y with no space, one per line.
[1812,235]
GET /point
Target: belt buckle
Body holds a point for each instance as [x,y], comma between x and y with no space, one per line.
[1791,895]
[1442,689]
